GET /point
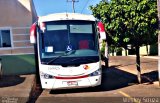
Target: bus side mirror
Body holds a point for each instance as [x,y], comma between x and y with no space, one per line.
[101,31]
[33,34]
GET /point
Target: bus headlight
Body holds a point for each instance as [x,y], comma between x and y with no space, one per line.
[46,76]
[95,73]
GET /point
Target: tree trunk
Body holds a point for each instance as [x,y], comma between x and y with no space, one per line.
[158,8]
[1,72]
[147,50]
[106,55]
[113,52]
[126,52]
[138,64]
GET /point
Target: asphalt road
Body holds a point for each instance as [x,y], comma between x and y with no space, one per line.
[119,85]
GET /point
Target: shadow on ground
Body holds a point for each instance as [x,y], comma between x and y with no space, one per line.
[7,81]
[150,77]
[112,79]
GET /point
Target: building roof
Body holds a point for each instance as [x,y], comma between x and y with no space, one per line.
[66,16]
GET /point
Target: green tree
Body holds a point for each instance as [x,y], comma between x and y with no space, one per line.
[129,22]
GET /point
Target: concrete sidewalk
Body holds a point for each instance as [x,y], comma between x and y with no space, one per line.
[150,57]
[16,89]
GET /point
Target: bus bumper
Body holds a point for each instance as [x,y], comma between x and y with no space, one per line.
[71,83]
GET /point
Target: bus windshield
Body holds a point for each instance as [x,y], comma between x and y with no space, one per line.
[69,42]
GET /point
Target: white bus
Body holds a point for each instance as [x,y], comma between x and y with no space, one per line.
[67,49]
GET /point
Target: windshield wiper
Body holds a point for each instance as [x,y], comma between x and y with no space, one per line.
[65,54]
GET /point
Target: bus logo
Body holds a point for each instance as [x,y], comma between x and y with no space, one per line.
[53,68]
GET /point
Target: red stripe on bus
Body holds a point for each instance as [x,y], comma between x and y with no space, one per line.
[77,77]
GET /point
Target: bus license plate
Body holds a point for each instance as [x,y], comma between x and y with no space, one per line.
[72,83]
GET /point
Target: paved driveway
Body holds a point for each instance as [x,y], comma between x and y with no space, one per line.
[119,85]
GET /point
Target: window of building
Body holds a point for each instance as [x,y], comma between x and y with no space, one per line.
[5,38]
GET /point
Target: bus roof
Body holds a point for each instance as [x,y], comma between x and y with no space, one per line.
[66,16]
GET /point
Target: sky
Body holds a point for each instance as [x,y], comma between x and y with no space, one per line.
[44,7]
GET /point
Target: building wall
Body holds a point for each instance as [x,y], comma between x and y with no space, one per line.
[17,16]
[152,50]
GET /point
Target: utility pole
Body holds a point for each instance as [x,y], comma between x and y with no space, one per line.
[73,4]
[158,8]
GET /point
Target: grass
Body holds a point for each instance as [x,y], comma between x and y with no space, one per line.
[18,64]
